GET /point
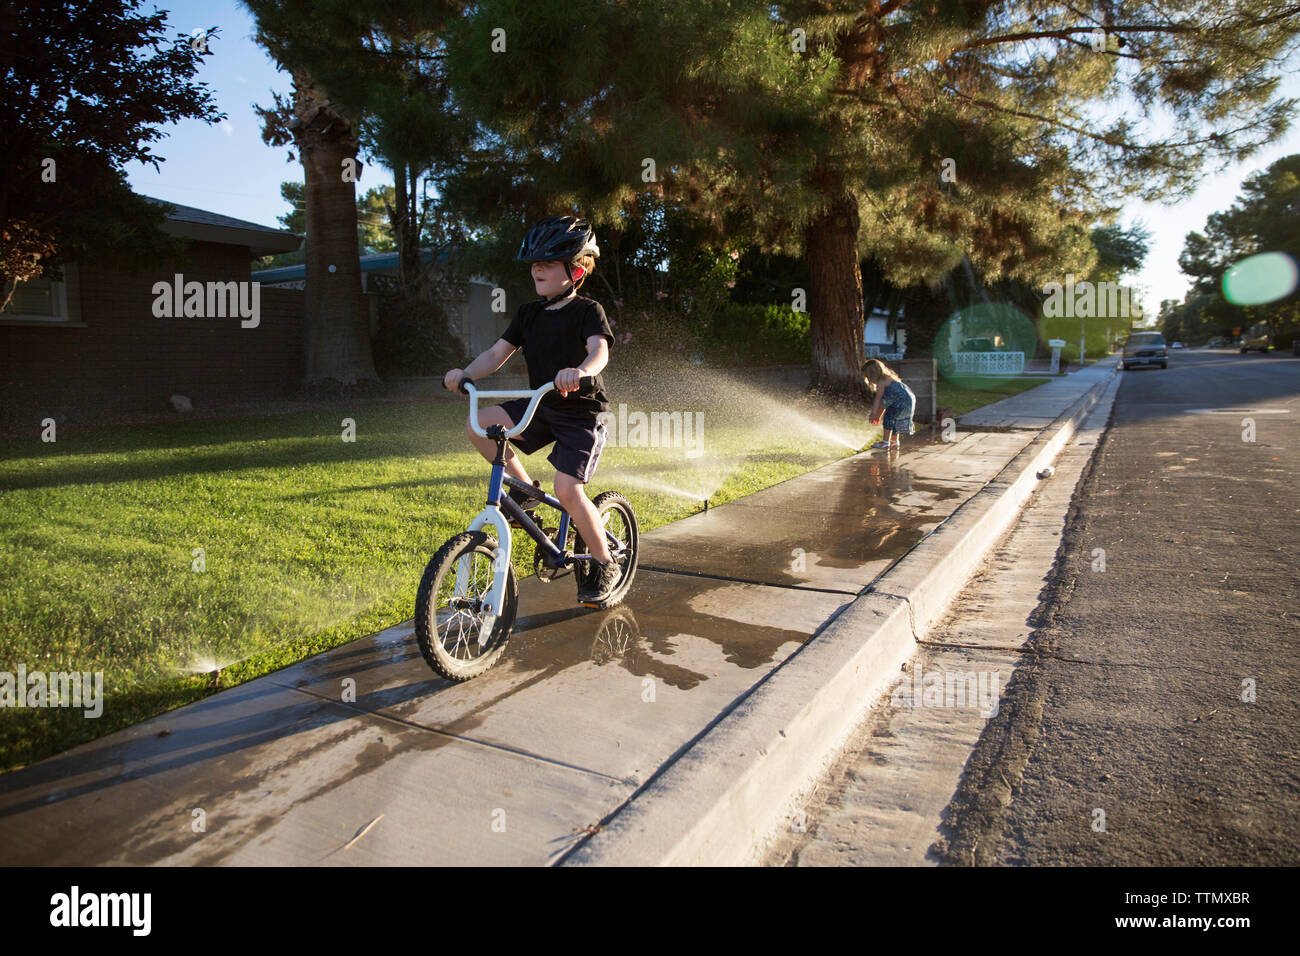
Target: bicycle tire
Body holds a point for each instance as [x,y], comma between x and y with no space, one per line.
[606,503]
[436,592]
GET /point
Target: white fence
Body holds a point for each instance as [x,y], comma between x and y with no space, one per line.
[989,363]
[874,352]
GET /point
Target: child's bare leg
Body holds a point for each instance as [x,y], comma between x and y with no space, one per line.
[586,518]
[495,415]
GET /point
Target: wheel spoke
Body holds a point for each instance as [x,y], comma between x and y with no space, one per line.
[458,632]
[464,588]
[452,608]
[617,537]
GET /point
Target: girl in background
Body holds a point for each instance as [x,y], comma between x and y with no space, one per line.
[894,401]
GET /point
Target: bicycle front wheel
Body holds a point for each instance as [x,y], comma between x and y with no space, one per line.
[450,615]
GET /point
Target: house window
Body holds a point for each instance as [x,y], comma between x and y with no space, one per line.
[45,301]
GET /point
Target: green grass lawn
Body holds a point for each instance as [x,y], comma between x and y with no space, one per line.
[161,554]
[307,541]
[964,399]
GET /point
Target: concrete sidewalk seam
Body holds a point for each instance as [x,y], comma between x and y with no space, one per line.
[714,803]
[763,584]
[513,751]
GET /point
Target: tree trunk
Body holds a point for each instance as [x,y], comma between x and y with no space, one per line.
[407,227]
[835,300]
[398,221]
[925,309]
[337,333]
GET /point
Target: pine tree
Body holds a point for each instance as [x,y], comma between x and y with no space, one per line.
[374,67]
[1264,218]
[382,63]
[376,214]
[374,223]
[919,135]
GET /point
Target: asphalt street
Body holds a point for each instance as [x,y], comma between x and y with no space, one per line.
[1154,718]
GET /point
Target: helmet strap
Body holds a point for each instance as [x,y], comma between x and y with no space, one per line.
[563,293]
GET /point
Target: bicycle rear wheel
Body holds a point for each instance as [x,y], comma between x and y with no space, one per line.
[448,625]
[619,521]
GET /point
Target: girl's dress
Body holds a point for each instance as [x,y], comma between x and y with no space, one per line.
[898,404]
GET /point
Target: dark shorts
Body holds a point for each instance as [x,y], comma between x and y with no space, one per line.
[579,438]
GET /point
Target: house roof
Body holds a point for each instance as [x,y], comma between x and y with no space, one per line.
[374,262]
[192,223]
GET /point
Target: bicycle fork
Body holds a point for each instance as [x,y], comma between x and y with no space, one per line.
[494,599]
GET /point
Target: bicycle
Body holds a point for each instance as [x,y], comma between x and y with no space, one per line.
[466,603]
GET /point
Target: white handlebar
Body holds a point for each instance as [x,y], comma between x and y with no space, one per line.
[475,393]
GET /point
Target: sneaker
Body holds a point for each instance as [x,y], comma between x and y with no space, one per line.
[528,504]
[599,581]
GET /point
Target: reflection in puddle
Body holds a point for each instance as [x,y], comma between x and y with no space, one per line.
[862,515]
[664,616]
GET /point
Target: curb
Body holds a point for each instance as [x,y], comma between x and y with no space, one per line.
[733,784]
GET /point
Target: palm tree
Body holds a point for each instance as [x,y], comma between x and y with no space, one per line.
[338,340]
[326,138]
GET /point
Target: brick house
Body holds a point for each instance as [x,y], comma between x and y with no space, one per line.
[96,342]
[468,307]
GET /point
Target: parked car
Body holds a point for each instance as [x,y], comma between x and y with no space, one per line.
[978,345]
[1143,349]
[1256,338]
[1176,345]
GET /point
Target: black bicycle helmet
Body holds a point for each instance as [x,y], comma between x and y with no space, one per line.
[558,239]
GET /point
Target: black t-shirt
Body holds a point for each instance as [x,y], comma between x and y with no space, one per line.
[555,339]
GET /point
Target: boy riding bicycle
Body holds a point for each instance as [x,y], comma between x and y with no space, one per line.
[564,336]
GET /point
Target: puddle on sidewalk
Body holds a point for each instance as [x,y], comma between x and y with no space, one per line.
[837,531]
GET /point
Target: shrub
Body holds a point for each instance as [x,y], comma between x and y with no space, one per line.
[412,337]
[758,335]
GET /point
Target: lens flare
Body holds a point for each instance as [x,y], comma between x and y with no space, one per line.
[1259,279]
[984,343]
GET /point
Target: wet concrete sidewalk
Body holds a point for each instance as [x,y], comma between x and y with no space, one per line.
[1035,408]
[516,766]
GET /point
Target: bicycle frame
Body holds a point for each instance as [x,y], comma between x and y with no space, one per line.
[499,506]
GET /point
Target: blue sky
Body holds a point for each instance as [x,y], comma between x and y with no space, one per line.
[227,168]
